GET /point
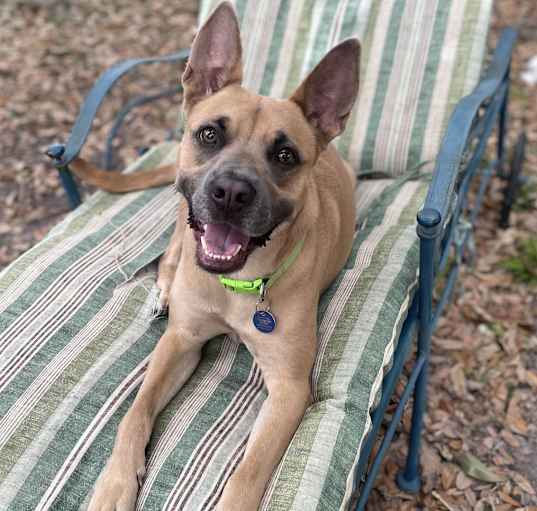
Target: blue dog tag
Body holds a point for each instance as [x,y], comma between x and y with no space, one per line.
[264,321]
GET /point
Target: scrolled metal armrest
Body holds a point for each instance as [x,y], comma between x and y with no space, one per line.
[459,128]
[61,154]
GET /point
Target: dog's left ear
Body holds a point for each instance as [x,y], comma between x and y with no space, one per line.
[215,58]
[327,95]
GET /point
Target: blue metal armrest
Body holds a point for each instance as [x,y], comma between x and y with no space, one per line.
[459,158]
[61,154]
[460,131]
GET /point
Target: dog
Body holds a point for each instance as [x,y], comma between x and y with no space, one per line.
[266,225]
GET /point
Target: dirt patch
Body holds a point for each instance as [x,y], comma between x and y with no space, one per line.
[51,53]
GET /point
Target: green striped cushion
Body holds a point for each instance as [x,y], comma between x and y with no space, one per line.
[75,337]
[419,57]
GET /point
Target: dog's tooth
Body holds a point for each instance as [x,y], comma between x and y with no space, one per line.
[237,250]
[204,244]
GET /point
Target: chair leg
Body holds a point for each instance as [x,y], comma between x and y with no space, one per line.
[513,180]
[429,225]
[70,187]
[409,479]
[502,130]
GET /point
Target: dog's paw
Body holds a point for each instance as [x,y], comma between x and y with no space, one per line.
[117,488]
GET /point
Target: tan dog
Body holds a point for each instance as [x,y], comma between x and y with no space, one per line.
[249,167]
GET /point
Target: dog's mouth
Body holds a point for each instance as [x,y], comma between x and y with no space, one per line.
[222,247]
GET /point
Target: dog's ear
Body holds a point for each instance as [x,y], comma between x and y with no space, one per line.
[328,93]
[215,58]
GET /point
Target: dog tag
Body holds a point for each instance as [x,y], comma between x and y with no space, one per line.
[264,321]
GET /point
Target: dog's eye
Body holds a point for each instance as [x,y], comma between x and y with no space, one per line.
[208,136]
[286,157]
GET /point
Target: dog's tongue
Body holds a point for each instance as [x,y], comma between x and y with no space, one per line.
[223,239]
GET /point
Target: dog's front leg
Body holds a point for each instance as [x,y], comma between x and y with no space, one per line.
[287,376]
[173,361]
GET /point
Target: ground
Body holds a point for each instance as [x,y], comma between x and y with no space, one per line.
[483,375]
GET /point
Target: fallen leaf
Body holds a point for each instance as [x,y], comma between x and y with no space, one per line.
[474,311]
[473,467]
[518,425]
[531,378]
[431,461]
[445,453]
[462,482]
[511,439]
[452,345]
[459,380]
[447,476]
[470,497]
[514,416]
[523,483]
[445,503]
[456,444]
[508,341]
[507,498]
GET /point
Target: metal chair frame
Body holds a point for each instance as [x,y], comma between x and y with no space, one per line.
[444,227]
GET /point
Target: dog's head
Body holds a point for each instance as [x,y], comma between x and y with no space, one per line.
[246,160]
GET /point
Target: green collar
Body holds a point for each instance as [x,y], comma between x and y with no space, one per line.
[255,286]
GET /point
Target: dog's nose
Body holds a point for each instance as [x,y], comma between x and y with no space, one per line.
[231,194]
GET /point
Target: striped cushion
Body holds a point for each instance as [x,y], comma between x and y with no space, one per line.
[419,57]
[76,335]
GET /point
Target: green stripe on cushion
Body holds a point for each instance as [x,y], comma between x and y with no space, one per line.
[44,338]
[388,55]
[275,48]
[320,39]
[122,339]
[299,49]
[366,276]
[215,423]
[344,141]
[427,87]
[458,81]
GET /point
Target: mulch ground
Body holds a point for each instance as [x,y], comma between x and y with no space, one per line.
[480,441]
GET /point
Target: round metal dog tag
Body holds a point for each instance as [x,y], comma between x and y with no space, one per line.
[264,321]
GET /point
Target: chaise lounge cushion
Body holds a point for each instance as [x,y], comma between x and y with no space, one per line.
[76,334]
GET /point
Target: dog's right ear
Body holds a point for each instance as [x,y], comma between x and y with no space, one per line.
[216,56]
